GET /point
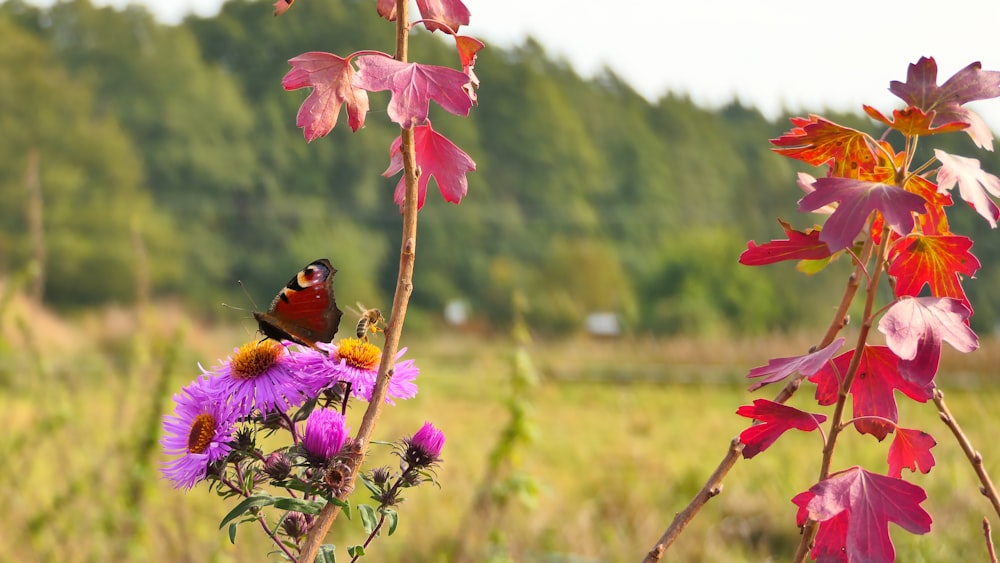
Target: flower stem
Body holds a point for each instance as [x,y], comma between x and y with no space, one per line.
[404,287]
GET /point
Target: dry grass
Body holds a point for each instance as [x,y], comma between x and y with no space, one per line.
[627,431]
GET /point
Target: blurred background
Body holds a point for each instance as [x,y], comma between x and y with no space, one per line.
[148,165]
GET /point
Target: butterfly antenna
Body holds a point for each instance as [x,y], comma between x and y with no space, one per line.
[247,293]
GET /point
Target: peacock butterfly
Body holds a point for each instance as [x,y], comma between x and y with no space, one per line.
[305,310]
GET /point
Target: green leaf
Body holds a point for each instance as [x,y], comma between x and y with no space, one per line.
[250,503]
[393,517]
[368,519]
[370,485]
[300,505]
[356,550]
[811,267]
[327,554]
[232,534]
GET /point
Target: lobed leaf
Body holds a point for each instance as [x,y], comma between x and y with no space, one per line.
[974,184]
[413,86]
[862,504]
[856,201]
[332,80]
[969,84]
[910,449]
[775,419]
[807,364]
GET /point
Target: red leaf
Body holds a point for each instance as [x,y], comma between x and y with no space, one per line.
[913,121]
[818,142]
[973,183]
[857,199]
[868,501]
[970,83]
[451,13]
[938,261]
[775,419]
[331,80]
[872,388]
[413,85]
[436,156]
[911,449]
[800,245]
[808,364]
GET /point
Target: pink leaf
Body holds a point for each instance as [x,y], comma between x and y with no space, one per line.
[330,78]
[775,419]
[911,449]
[413,85]
[868,501]
[913,322]
[387,9]
[435,156]
[857,199]
[452,13]
[808,364]
[969,84]
[973,183]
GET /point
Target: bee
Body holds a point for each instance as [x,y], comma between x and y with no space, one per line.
[371,320]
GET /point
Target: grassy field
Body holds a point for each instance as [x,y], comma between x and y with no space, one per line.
[625,433]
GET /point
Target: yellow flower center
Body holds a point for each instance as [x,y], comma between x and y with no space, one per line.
[358,353]
[202,429]
[254,358]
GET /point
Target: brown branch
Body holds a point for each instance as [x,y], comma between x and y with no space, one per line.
[711,489]
[989,540]
[404,287]
[987,488]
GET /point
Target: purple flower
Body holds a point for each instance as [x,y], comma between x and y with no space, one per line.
[356,362]
[200,431]
[258,375]
[424,448]
[326,433]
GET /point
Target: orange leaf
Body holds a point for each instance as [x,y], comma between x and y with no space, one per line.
[817,141]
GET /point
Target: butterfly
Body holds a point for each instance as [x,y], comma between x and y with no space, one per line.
[305,310]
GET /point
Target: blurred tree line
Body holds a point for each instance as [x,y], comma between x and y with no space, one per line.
[170,154]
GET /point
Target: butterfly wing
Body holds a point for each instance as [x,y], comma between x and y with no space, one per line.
[305,310]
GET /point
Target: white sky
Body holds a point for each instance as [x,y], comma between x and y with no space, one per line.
[803,55]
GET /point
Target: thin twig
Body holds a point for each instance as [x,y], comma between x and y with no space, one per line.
[989,540]
[711,489]
[987,488]
[404,286]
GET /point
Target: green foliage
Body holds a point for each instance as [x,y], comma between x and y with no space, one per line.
[179,142]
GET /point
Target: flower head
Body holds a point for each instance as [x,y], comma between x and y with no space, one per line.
[326,432]
[199,431]
[424,448]
[356,362]
[258,375]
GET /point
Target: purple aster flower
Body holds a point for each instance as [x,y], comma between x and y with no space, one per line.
[259,375]
[354,361]
[424,448]
[200,431]
[326,432]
